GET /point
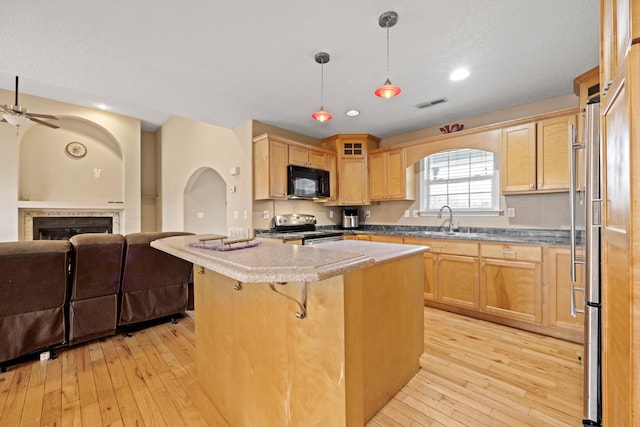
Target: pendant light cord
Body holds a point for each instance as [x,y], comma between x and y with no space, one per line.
[387,25]
[322,85]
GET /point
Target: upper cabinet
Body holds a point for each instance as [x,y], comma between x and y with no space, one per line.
[534,157]
[389,176]
[619,27]
[271,156]
[351,151]
[270,159]
[308,157]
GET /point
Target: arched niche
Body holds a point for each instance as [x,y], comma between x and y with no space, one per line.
[48,173]
[205,203]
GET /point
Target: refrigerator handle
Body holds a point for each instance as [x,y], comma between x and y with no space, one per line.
[573,148]
[574,309]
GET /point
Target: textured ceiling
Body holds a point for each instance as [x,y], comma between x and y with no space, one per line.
[226,62]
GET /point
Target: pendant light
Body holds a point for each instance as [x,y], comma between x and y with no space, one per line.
[388,90]
[322,115]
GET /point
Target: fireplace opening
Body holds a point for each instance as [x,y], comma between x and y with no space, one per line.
[63,228]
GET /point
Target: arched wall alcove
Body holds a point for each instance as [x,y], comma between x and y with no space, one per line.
[48,173]
[205,203]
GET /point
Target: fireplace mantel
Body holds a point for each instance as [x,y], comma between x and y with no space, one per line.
[30,209]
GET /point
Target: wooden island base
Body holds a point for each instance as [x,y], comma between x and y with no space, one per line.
[359,343]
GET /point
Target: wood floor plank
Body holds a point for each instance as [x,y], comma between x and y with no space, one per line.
[52,402]
[17,393]
[473,374]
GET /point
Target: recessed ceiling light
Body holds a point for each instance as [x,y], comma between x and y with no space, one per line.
[102,106]
[459,74]
[352,113]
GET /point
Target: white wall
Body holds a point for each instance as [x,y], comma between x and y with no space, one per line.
[125,130]
[205,203]
[187,146]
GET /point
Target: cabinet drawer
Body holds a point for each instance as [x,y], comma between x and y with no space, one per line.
[511,252]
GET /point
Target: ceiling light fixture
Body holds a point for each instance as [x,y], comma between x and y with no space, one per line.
[459,74]
[388,90]
[322,115]
[15,119]
[352,113]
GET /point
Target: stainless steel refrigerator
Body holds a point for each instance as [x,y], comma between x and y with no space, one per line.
[586,221]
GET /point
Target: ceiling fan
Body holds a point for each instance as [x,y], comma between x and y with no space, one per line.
[20,116]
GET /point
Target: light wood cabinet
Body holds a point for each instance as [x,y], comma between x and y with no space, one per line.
[332,167]
[619,27]
[620,130]
[389,176]
[534,157]
[352,151]
[511,281]
[270,159]
[385,238]
[451,272]
[271,156]
[302,156]
[557,278]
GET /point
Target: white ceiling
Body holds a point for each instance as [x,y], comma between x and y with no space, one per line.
[226,62]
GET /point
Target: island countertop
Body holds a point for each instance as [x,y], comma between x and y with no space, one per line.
[277,262]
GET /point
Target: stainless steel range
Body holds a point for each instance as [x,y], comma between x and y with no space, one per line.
[304,226]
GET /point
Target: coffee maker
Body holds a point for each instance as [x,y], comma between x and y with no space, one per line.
[350,218]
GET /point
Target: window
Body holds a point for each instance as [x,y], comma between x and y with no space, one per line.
[466,180]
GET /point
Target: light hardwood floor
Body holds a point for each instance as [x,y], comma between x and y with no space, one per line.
[474,373]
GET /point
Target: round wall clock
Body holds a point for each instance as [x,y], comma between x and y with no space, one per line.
[76,149]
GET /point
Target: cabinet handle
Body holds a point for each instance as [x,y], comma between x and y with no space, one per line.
[607,86]
[530,185]
[483,264]
[540,185]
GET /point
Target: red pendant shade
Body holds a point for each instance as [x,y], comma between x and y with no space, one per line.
[321,115]
[388,90]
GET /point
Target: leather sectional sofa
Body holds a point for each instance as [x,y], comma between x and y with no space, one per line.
[56,293]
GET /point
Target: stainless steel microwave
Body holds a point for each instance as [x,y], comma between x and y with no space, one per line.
[307,183]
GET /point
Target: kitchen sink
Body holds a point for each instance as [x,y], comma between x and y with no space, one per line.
[450,234]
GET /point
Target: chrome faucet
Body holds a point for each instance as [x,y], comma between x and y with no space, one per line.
[451,226]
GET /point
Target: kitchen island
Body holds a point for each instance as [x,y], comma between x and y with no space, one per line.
[305,335]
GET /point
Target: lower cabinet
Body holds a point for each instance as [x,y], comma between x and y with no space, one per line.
[557,266]
[527,286]
[451,271]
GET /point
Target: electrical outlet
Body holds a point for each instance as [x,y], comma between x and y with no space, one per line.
[407,214]
[265,214]
[330,214]
[367,214]
[511,212]
[416,212]
[200,215]
[245,215]
[235,214]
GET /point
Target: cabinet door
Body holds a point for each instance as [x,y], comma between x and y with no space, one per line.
[396,175]
[352,185]
[553,153]
[332,167]
[278,155]
[298,156]
[512,289]
[317,159]
[430,284]
[458,280]
[558,279]
[377,172]
[518,158]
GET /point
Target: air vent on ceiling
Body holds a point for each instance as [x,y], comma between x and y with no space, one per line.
[432,103]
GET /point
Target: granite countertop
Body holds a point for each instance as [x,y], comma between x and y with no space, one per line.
[275,262]
[512,235]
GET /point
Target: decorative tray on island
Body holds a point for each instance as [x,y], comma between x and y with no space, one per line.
[220,243]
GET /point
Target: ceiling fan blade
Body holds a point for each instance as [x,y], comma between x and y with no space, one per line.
[42,116]
[42,122]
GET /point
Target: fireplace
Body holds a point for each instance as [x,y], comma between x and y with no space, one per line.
[77,220]
[63,228]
